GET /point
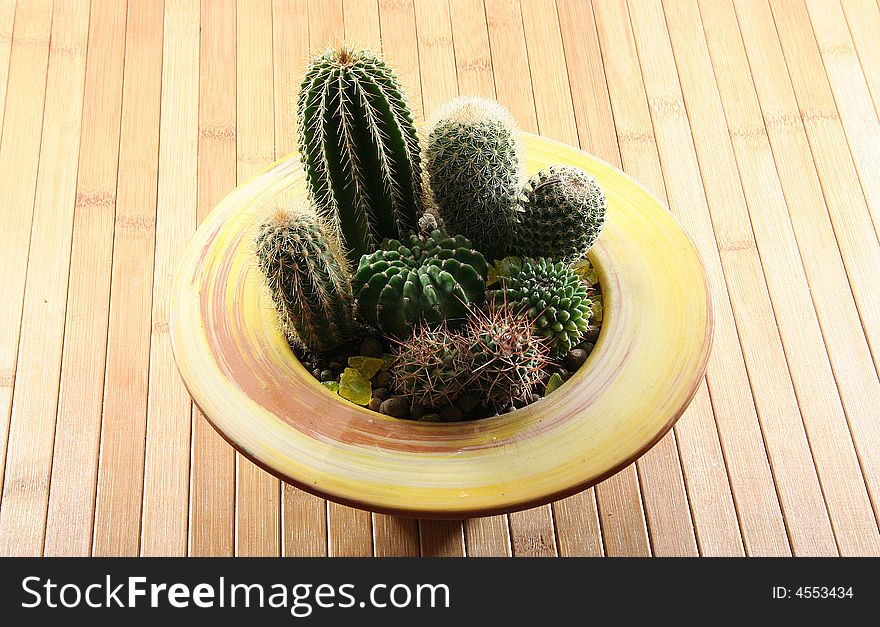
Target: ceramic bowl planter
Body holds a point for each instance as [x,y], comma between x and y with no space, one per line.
[643,372]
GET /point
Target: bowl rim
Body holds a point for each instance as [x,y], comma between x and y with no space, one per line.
[470,510]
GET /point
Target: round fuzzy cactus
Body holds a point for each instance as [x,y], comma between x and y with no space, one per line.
[552,296]
[563,213]
[359,148]
[474,173]
[509,357]
[308,277]
[433,367]
[426,279]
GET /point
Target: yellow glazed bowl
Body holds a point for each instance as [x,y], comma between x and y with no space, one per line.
[643,372]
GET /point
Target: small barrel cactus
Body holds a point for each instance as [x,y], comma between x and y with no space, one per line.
[308,277]
[360,148]
[563,213]
[433,367]
[474,172]
[427,279]
[509,357]
[552,296]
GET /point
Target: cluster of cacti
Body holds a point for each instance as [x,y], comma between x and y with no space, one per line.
[429,279]
[308,277]
[497,357]
[359,148]
[563,212]
[433,367]
[397,236]
[474,172]
[553,296]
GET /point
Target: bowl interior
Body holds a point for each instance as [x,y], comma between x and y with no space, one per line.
[642,373]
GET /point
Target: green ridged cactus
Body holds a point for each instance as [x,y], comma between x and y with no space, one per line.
[563,213]
[427,279]
[509,357]
[433,367]
[360,148]
[552,296]
[474,172]
[308,276]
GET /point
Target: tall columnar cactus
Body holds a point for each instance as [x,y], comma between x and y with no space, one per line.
[563,213]
[360,148]
[474,172]
[553,296]
[308,276]
[427,279]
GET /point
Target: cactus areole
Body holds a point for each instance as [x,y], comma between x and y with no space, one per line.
[359,148]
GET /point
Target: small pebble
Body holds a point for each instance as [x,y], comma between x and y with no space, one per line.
[327,375]
[431,418]
[383,379]
[380,393]
[575,358]
[467,403]
[451,414]
[587,346]
[375,403]
[592,334]
[335,365]
[371,347]
[396,406]
[316,373]
[417,411]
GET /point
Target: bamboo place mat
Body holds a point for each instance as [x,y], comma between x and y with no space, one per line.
[756,121]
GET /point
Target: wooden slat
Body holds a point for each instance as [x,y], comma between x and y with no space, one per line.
[258,494]
[169,408]
[797,483]
[397,21]
[659,472]
[19,158]
[575,518]
[304,516]
[392,536]
[708,494]
[7,19]
[78,423]
[791,144]
[436,53]
[212,480]
[469,61]
[851,95]
[741,438]
[123,426]
[758,199]
[38,371]
[863,19]
[349,531]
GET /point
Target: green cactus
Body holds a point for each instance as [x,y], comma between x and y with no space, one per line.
[360,148]
[553,296]
[427,279]
[433,367]
[308,277]
[509,357]
[563,213]
[474,172]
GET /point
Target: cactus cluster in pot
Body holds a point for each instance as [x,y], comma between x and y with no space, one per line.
[426,276]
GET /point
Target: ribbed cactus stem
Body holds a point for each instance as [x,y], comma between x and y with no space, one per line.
[308,277]
[360,148]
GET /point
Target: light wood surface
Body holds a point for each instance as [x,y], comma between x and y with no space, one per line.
[123,124]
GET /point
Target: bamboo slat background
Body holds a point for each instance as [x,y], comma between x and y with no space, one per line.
[757,121]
